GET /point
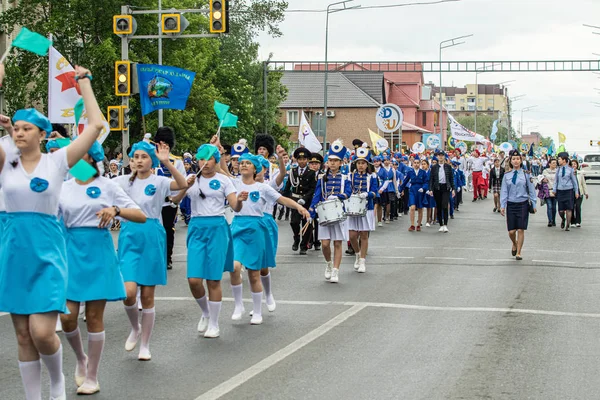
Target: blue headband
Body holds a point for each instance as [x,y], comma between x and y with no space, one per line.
[34,117]
[206,151]
[148,148]
[51,144]
[264,162]
[253,159]
[96,152]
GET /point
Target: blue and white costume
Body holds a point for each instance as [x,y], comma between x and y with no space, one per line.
[369,184]
[269,219]
[331,185]
[94,272]
[418,180]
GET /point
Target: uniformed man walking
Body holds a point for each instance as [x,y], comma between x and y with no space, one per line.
[300,187]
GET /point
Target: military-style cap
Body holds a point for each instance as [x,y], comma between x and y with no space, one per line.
[301,152]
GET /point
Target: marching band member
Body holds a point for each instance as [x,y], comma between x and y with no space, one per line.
[316,165]
[300,187]
[418,186]
[364,184]
[236,151]
[87,209]
[387,190]
[380,201]
[142,247]
[332,186]
[33,274]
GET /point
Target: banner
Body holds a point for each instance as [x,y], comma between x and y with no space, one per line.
[164,87]
[306,136]
[378,144]
[432,141]
[459,132]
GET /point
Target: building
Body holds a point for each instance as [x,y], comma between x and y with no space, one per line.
[532,138]
[487,99]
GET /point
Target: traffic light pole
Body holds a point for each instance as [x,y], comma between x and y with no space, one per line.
[160,111]
[125,99]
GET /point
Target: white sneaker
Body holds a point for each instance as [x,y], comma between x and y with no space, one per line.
[335,276]
[203,324]
[256,320]
[441,229]
[578,225]
[427,224]
[356,263]
[446,229]
[387,221]
[212,333]
[271,305]
[133,339]
[362,267]
[144,355]
[237,313]
[380,224]
[328,270]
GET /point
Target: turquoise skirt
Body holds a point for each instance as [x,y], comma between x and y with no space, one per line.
[33,268]
[143,253]
[251,243]
[273,231]
[210,248]
[3,218]
[93,266]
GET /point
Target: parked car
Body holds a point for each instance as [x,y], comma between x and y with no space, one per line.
[591,166]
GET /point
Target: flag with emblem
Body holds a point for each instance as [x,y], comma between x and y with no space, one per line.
[306,136]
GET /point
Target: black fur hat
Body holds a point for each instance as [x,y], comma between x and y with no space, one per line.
[227,148]
[357,143]
[165,134]
[265,141]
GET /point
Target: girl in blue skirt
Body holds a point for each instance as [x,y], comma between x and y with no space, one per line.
[143,247]
[419,184]
[88,209]
[33,273]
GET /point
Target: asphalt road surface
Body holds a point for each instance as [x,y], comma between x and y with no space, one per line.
[436,316]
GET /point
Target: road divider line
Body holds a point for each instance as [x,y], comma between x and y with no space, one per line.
[244,376]
[444,258]
[553,262]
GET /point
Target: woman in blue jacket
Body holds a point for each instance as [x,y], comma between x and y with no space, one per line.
[419,185]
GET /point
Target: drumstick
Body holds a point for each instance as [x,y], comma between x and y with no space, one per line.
[304,229]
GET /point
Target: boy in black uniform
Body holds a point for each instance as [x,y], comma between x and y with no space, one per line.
[300,187]
[315,163]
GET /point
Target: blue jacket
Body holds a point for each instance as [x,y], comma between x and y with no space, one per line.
[332,187]
[459,179]
[358,184]
[418,181]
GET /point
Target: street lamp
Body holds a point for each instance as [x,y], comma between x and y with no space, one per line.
[329,11]
[485,67]
[522,111]
[444,45]
[513,99]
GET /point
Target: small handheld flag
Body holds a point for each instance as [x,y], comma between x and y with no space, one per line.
[30,41]
[226,119]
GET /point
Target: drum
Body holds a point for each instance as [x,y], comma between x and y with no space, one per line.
[356,206]
[330,212]
[229,214]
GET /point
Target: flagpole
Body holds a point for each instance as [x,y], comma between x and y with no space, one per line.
[219,130]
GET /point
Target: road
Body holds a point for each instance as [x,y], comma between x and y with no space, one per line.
[436,316]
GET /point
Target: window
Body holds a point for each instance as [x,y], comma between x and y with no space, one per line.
[292,118]
[450,98]
[424,119]
[480,100]
[462,100]
[471,100]
[480,108]
[451,107]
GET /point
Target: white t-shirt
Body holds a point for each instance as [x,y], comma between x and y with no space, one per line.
[36,192]
[149,194]
[259,196]
[80,203]
[181,168]
[477,163]
[216,189]
[10,151]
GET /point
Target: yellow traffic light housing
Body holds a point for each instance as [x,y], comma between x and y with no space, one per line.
[123,25]
[219,16]
[115,118]
[171,23]
[123,78]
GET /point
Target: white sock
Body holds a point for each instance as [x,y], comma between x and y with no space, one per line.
[237,296]
[95,347]
[148,317]
[134,319]
[266,283]
[215,309]
[203,303]
[257,301]
[74,339]
[54,363]
[31,376]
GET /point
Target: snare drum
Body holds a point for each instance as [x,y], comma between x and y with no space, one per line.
[356,206]
[229,214]
[330,212]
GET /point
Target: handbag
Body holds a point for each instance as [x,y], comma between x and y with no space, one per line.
[531,206]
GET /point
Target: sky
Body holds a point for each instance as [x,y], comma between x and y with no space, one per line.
[503,30]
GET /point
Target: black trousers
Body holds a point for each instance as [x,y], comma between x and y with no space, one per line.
[392,202]
[168,216]
[405,198]
[576,219]
[458,199]
[295,222]
[442,198]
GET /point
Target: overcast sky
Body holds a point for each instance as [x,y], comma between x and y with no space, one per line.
[503,30]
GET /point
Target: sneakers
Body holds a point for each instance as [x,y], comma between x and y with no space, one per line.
[446,229]
[133,339]
[203,324]
[411,229]
[328,270]
[578,225]
[212,333]
[380,223]
[361,266]
[441,229]
[427,224]
[335,275]
[419,228]
[357,262]
[387,221]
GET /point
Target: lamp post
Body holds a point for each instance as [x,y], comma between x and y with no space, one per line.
[330,11]
[485,67]
[444,45]
[522,111]
[513,99]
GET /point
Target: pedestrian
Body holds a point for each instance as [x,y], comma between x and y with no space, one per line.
[88,209]
[517,193]
[549,176]
[477,163]
[417,178]
[441,183]
[583,191]
[388,189]
[381,200]
[429,201]
[142,247]
[459,183]
[496,176]
[565,190]
[33,273]
[113,169]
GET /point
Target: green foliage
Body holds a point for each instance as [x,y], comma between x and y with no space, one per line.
[227,68]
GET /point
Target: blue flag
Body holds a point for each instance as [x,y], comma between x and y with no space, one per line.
[162,86]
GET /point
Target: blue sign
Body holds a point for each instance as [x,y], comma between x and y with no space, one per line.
[162,86]
[432,141]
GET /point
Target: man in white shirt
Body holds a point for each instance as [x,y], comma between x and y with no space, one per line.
[478,182]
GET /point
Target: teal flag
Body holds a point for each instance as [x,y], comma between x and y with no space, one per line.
[78,110]
[230,121]
[221,110]
[81,170]
[33,42]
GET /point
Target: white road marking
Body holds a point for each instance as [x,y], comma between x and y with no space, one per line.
[278,356]
[554,262]
[494,259]
[444,258]
[592,263]
[412,248]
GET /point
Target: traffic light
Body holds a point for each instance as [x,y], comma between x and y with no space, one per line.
[173,24]
[124,25]
[123,78]
[219,16]
[115,118]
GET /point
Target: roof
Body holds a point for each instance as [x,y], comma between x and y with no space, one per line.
[410,127]
[369,82]
[305,90]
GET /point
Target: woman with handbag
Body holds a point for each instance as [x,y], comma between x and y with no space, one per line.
[517,199]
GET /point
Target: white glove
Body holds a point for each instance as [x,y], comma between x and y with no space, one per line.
[332,197]
[363,195]
[420,190]
[301,202]
[459,189]
[429,193]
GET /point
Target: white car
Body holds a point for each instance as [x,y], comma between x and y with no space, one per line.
[591,166]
